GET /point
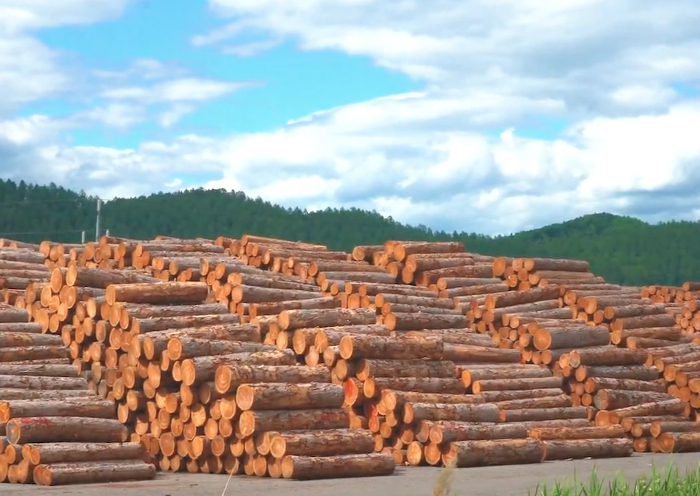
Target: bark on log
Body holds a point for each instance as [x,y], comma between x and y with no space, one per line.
[180,348]
[98,278]
[173,293]
[403,368]
[282,396]
[451,431]
[331,442]
[48,453]
[93,472]
[201,369]
[41,382]
[513,384]
[139,326]
[471,374]
[574,412]
[485,412]
[77,407]
[251,421]
[412,322]
[567,337]
[397,348]
[228,377]
[587,448]
[636,372]
[255,294]
[463,353]
[322,467]
[499,452]
[594,384]
[304,318]
[7,394]
[276,307]
[65,429]
[589,432]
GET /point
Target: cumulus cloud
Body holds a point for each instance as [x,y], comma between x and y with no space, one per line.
[460,152]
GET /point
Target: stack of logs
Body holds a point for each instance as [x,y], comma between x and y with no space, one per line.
[53,429]
[285,359]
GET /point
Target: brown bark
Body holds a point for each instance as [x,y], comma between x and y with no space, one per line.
[76,407]
[21,255]
[8,394]
[495,396]
[496,452]
[230,377]
[573,412]
[614,399]
[659,427]
[516,384]
[513,298]
[341,266]
[39,382]
[255,294]
[10,314]
[289,396]
[93,472]
[660,320]
[430,261]
[324,467]
[322,337]
[464,353]
[477,373]
[65,429]
[180,348]
[608,356]
[417,384]
[251,421]
[477,270]
[667,407]
[304,318]
[568,337]
[410,322]
[201,369]
[145,311]
[456,336]
[280,306]
[683,442]
[464,412]
[47,453]
[453,431]
[394,400]
[637,372]
[403,249]
[594,384]
[587,448]
[98,278]
[270,280]
[331,442]
[563,400]
[20,339]
[403,368]
[397,348]
[555,265]
[183,293]
[567,433]
[151,324]
[46,370]
[423,301]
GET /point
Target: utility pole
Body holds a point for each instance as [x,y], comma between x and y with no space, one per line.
[82,238]
[97,221]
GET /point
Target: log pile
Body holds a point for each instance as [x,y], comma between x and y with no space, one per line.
[285,359]
[20,265]
[53,430]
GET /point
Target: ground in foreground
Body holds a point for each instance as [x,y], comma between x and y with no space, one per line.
[516,480]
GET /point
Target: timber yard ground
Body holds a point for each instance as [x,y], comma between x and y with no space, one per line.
[511,480]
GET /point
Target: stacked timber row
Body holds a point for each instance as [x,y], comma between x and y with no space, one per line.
[53,430]
[155,348]
[20,266]
[669,294]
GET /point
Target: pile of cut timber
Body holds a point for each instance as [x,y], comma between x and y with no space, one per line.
[53,430]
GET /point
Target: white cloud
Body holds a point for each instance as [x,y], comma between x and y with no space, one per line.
[452,154]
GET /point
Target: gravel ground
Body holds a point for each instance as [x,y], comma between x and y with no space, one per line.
[516,480]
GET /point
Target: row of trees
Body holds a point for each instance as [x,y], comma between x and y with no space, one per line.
[621,249]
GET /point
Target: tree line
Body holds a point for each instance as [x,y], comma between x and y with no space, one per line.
[624,250]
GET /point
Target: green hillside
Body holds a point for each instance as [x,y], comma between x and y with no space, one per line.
[622,249]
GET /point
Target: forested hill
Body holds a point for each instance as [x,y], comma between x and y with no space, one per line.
[621,249]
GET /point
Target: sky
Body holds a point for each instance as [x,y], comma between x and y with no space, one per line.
[488,116]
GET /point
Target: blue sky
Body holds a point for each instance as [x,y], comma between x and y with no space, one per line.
[292,83]
[462,115]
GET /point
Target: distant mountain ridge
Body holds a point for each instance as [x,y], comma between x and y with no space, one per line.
[624,250]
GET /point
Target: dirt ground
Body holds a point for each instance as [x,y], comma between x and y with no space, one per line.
[517,480]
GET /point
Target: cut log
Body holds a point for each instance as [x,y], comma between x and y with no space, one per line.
[173,293]
[229,378]
[98,278]
[78,407]
[566,337]
[451,431]
[587,448]
[397,348]
[65,429]
[403,368]
[304,318]
[614,399]
[162,323]
[323,467]
[330,442]
[513,384]
[201,369]
[564,433]
[41,382]
[471,374]
[251,422]
[47,453]
[93,472]
[280,396]
[499,452]
[574,412]
[485,412]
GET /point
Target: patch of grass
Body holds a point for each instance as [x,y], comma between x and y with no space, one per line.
[668,482]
